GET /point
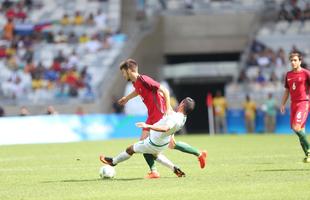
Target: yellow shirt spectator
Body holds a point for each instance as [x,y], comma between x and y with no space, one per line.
[37,84]
[84,38]
[250,109]
[78,19]
[220,106]
[65,20]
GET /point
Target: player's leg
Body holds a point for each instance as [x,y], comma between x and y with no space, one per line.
[186,148]
[217,124]
[224,124]
[125,155]
[299,116]
[149,158]
[162,159]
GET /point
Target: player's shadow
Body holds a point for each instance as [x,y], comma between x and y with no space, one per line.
[282,170]
[92,180]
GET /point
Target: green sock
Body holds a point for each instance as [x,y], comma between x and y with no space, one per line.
[182,146]
[150,159]
[303,140]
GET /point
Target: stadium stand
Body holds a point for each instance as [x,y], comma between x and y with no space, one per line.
[46,58]
[64,56]
[267,62]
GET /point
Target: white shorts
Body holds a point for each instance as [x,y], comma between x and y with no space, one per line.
[146,146]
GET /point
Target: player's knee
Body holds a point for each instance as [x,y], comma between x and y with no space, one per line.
[130,150]
[171,144]
[296,127]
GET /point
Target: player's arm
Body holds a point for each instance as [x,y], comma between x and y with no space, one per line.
[284,100]
[159,128]
[125,99]
[166,94]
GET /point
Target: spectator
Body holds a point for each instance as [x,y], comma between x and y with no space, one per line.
[270,109]
[243,78]
[20,14]
[260,79]
[24,111]
[280,58]
[51,110]
[257,46]
[189,4]
[10,13]
[306,14]
[173,101]
[80,110]
[8,30]
[2,112]
[78,19]
[61,37]
[117,108]
[90,21]
[94,45]
[100,20]
[220,106]
[60,57]
[72,39]
[65,20]
[83,38]
[6,4]
[249,114]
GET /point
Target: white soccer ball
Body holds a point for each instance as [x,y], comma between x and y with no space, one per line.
[107,171]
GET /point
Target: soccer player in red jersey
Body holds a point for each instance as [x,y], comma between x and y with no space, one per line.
[157,100]
[297,83]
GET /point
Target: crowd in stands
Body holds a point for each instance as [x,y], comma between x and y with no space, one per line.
[24,73]
[292,10]
[266,63]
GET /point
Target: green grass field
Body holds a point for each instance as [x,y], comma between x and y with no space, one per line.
[239,167]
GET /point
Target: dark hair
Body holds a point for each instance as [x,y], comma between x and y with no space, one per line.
[295,54]
[129,63]
[189,105]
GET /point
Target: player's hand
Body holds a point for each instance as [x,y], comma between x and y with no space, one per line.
[122,101]
[282,109]
[141,125]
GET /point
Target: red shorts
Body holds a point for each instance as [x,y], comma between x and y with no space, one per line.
[299,113]
[156,116]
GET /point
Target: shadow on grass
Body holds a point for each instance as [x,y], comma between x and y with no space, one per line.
[282,170]
[92,180]
[99,179]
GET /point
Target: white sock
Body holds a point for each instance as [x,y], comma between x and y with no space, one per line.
[165,161]
[121,157]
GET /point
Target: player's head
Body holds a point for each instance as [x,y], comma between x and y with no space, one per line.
[295,59]
[128,68]
[186,106]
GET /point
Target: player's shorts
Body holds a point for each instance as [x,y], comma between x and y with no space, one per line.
[147,146]
[299,113]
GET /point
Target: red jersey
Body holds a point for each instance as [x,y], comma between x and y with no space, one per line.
[298,85]
[147,88]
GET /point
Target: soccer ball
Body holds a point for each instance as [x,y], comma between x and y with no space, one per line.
[107,171]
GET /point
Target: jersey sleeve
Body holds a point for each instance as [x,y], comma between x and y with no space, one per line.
[150,83]
[308,76]
[285,82]
[171,121]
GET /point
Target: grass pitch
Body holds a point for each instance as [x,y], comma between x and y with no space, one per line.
[239,167]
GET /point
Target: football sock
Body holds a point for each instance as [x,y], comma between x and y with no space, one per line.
[165,161]
[303,140]
[184,147]
[121,157]
[149,158]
